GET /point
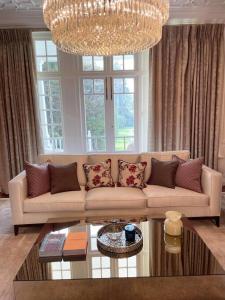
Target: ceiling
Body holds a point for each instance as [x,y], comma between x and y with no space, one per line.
[28,13]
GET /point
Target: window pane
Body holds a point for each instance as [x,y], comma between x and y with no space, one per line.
[118,85]
[56,265]
[105,262]
[128,62]
[52,64]
[44,102]
[56,275]
[122,272]
[66,274]
[56,116]
[129,85]
[46,56]
[41,64]
[122,262]
[96,264]
[95,122]
[54,88]
[55,103]
[96,273]
[124,115]
[45,117]
[105,273]
[132,272]
[50,114]
[51,48]
[118,62]
[40,48]
[57,131]
[99,86]
[43,87]
[87,63]
[88,86]
[98,63]
[132,261]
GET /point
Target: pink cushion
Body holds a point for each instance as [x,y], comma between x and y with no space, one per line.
[188,174]
[38,180]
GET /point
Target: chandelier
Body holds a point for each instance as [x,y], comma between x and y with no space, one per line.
[105,27]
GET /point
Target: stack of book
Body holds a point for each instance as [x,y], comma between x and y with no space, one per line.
[75,246]
[51,248]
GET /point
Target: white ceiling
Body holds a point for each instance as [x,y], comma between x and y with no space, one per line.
[28,13]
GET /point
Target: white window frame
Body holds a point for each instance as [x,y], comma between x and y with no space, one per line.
[45,75]
[109,74]
[70,74]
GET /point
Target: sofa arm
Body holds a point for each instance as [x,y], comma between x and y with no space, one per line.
[17,194]
[212,186]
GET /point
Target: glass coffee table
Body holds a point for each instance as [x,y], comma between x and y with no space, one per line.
[165,267]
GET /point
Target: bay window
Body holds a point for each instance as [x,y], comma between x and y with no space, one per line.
[89,103]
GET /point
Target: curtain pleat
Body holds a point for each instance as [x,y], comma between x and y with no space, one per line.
[187,89]
[19,136]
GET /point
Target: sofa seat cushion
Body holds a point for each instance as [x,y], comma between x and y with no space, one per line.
[159,196]
[66,201]
[115,198]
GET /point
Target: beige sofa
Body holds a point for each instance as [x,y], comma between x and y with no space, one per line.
[152,201]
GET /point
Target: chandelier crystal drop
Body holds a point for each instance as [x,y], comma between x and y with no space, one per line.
[105,27]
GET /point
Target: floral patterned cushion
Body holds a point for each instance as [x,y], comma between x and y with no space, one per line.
[131,175]
[98,175]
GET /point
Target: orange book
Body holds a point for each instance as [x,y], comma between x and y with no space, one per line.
[77,236]
[75,244]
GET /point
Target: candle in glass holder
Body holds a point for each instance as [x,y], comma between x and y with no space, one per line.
[173,224]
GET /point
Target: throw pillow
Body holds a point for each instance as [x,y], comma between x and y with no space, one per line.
[163,173]
[131,174]
[38,182]
[98,175]
[188,174]
[63,178]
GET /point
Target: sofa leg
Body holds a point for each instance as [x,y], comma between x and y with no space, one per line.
[217,221]
[16,229]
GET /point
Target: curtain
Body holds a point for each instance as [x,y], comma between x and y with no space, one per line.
[187,87]
[18,131]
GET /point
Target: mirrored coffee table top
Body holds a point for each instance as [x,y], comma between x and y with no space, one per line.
[161,255]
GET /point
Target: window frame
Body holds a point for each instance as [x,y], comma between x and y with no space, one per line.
[108,74]
[46,75]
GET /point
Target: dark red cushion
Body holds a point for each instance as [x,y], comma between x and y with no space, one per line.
[163,173]
[38,181]
[188,174]
[64,178]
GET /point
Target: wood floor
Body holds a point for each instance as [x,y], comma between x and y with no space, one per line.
[13,249]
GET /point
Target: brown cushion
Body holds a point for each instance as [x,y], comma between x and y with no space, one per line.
[38,181]
[163,173]
[188,174]
[63,178]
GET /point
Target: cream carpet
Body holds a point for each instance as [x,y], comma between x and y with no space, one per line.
[13,249]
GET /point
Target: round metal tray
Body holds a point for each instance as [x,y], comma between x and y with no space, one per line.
[119,247]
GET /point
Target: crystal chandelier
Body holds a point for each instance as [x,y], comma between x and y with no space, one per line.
[105,27]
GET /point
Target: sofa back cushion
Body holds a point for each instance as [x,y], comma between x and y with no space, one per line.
[164,156]
[97,158]
[63,159]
